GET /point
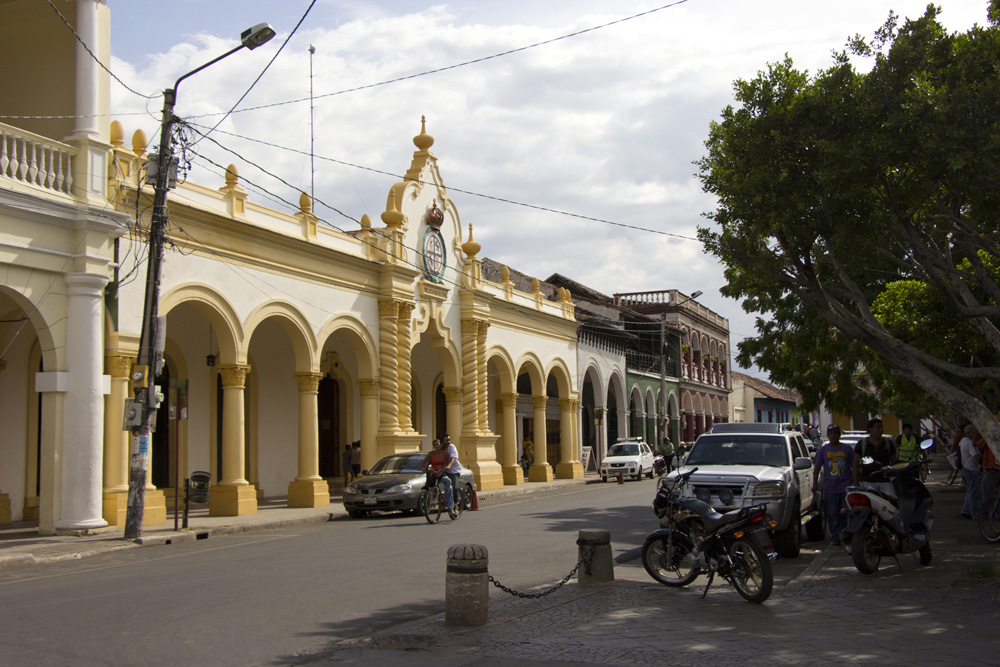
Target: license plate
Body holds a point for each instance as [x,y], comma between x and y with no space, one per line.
[763,541]
[371,500]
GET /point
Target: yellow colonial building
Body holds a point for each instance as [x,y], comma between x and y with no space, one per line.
[285,339]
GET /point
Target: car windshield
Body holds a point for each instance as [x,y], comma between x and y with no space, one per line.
[398,463]
[623,450]
[739,450]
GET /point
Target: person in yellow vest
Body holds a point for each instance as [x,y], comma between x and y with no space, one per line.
[906,444]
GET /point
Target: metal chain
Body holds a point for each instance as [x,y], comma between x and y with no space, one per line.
[585,558]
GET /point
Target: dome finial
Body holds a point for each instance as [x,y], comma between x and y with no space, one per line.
[423,141]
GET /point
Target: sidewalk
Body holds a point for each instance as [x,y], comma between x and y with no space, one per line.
[943,614]
[21,545]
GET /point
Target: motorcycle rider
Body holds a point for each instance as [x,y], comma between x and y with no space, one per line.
[880,450]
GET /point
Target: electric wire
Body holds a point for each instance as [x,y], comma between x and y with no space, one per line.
[266,67]
[466,63]
[95,58]
[471,193]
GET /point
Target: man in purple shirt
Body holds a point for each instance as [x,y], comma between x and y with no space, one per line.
[837,463]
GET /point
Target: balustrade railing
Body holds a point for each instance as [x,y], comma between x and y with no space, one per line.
[35,160]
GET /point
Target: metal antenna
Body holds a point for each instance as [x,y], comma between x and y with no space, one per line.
[312,131]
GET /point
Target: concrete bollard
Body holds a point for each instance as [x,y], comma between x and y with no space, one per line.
[602,565]
[467,592]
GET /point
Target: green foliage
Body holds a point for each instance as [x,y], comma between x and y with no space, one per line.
[857,215]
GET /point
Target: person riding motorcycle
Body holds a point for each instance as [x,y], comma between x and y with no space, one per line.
[880,450]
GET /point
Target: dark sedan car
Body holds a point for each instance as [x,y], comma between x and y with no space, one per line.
[394,484]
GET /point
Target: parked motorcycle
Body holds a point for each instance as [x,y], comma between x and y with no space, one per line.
[891,518]
[695,539]
[659,465]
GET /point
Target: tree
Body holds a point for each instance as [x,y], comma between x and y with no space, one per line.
[857,214]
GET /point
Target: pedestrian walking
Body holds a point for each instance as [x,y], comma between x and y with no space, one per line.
[356,458]
[345,460]
[972,475]
[836,462]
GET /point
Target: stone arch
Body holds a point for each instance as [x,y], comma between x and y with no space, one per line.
[358,337]
[295,326]
[218,311]
[559,370]
[530,363]
[52,354]
[504,363]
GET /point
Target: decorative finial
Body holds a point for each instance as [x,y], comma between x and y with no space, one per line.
[391,216]
[305,202]
[423,141]
[366,222]
[470,247]
[232,176]
[535,285]
[117,134]
[139,143]
[504,274]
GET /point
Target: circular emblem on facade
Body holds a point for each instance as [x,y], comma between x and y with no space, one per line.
[435,257]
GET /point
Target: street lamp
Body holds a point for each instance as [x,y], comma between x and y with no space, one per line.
[141,411]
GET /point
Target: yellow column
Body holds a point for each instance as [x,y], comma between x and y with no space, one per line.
[470,379]
[369,421]
[233,495]
[388,364]
[453,415]
[116,438]
[569,466]
[308,489]
[540,470]
[405,380]
[482,376]
[4,497]
[512,472]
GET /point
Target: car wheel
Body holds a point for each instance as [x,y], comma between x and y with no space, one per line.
[604,479]
[649,473]
[788,541]
[356,514]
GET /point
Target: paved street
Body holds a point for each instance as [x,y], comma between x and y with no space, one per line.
[822,610]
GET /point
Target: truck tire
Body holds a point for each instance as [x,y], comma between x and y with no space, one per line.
[788,541]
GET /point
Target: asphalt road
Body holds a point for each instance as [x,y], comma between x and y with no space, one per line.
[257,597]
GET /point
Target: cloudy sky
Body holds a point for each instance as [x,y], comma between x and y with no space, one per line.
[599,128]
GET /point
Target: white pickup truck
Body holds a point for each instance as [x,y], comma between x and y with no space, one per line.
[750,463]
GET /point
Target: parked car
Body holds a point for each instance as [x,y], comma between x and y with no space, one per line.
[631,457]
[395,484]
[744,464]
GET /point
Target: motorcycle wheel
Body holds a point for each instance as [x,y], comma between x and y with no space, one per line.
[667,566]
[863,553]
[752,575]
[925,554]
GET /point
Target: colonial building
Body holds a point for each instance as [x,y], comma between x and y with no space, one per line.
[285,339]
[756,400]
[704,383]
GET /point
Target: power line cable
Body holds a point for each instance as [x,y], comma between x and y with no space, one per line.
[467,62]
[96,59]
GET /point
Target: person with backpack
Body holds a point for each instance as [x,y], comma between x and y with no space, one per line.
[881,450]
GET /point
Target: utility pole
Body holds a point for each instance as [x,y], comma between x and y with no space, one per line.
[140,411]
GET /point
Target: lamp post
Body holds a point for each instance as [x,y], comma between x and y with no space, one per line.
[141,411]
[663,365]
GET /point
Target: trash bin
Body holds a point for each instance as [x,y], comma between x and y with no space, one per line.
[200,481]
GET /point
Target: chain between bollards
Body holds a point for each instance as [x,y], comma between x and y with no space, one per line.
[585,559]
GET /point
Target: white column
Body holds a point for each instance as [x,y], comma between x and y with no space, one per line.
[87,71]
[82,457]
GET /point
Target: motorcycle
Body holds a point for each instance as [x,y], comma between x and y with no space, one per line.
[695,539]
[891,518]
[659,465]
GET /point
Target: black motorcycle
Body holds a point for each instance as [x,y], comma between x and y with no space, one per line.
[695,539]
[888,523]
[659,465]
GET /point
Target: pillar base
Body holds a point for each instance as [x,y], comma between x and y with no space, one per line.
[31,511]
[477,452]
[308,493]
[232,500]
[569,470]
[540,472]
[115,507]
[154,508]
[4,508]
[513,475]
